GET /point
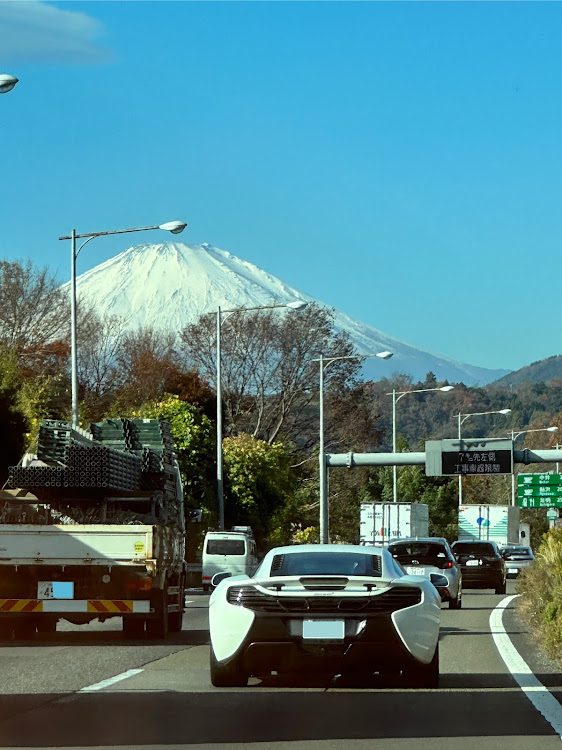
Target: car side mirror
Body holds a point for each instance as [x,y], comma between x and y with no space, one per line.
[218,577]
[439,581]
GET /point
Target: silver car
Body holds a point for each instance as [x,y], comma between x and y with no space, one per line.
[516,558]
[427,557]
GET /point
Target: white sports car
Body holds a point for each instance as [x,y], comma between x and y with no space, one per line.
[321,608]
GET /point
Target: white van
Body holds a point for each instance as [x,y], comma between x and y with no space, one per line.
[228,551]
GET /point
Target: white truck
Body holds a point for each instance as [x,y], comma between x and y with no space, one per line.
[127,558]
[494,523]
[380,523]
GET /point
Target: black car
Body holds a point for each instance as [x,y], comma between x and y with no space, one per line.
[482,565]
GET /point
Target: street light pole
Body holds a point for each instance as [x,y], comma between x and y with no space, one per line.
[175,227]
[514,435]
[297,305]
[401,394]
[323,472]
[462,418]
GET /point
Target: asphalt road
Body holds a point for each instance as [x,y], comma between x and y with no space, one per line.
[168,702]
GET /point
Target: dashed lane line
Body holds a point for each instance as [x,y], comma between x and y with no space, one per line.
[110,681]
[541,698]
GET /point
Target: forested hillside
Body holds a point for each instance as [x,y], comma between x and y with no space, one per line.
[542,371]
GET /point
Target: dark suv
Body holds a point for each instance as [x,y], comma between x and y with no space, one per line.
[482,565]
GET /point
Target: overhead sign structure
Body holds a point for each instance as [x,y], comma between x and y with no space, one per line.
[540,490]
[539,502]
[469,457]
[538,479]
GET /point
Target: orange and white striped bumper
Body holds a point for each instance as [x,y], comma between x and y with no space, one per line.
[102,606]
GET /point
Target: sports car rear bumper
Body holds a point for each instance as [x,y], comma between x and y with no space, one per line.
[270,646]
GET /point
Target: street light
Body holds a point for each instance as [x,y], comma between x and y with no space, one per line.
[462,418]
[514,435]
[401,394]
[7,83]
[297,305]
[324,510]
[172,226]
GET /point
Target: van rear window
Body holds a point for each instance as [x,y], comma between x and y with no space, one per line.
[226,547]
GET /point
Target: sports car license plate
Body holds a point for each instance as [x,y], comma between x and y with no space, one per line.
[416,571]
[55,590]
[323,630]
[470,563]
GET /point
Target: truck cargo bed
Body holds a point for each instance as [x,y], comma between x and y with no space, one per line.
[78,544]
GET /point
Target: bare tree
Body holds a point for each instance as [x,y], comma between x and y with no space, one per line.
[34,312]
[100,338]
[145,361]
[269,376]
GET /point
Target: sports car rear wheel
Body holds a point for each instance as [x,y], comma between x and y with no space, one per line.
[425,675]
[227,675]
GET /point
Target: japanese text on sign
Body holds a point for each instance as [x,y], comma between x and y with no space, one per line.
[477,462]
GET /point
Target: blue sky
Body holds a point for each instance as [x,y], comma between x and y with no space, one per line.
[399,161]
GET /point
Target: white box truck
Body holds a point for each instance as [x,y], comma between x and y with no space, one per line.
[380,523]
[494,523]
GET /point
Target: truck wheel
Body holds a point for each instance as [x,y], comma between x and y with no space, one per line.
[157,625]
[175,619]
[205,587]
[501,588]
[227,675]
[133,627]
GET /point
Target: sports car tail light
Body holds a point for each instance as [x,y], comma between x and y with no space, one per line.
[386,602]
[251,598]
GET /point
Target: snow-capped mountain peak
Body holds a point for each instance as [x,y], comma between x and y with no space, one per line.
[169,285]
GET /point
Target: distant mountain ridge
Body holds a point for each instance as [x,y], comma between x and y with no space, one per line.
[170,285]
[537,372]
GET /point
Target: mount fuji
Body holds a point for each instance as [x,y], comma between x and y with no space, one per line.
[168,286]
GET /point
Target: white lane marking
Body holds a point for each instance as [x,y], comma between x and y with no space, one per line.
[110,681]
[541,698]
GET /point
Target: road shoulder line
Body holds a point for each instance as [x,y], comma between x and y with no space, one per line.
[541,698]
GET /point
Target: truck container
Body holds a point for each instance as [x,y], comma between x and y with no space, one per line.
[494,523]
[93,529]
[380,523]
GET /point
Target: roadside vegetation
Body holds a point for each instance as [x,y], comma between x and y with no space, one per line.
[541,588]
[270,382]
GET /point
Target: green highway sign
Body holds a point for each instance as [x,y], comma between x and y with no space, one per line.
[539,502]
[538,479]
[540,490]
[552,515]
